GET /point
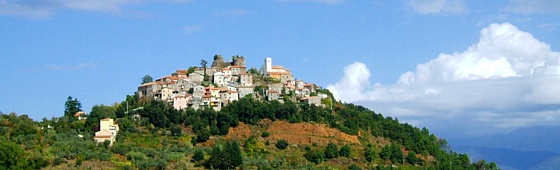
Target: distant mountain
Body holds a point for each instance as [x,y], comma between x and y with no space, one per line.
[512,159]
[551,163]
[524,148]
[536,138]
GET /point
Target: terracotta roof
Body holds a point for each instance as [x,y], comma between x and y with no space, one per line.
[182,71]
[279,73]
[238,67]
[79,113]
[148,84]
[102,136]
[278,67]
[272,91]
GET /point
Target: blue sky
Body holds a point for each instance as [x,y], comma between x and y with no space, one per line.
[98,50]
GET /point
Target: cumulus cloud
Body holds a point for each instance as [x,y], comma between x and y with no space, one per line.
[353,84]
[507,80]
[502,51]
[438,6]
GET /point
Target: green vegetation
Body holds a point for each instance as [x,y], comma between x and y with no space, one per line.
[160,137]
[282,144]
[147,79]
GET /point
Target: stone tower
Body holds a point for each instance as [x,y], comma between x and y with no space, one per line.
[267,67]
[218,61]
[238,61]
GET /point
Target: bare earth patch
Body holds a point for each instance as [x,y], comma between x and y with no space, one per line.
[296,133]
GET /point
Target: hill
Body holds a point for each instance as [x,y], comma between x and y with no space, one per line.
[268,134]
[224,117]
[536,138]
[512,159]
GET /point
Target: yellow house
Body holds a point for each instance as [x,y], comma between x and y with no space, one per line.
[108,130]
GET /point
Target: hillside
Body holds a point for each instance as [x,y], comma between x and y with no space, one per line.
[268,135]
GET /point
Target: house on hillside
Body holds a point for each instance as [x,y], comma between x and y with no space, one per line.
[108,130]
[196,77]
[149,89]
[227,96]
[246,79]
[273,95]
[219,79]
[245,90]
[313,100]
[180,102]
[80,115]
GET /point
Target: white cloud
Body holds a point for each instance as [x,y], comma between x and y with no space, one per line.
[438,6]
[502,51]
[354,82]
[507,80]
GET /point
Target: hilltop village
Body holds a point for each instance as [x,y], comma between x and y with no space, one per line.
[227,81]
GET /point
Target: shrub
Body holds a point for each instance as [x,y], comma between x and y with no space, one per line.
[331,151]
[315,156]
[198,155]
[282,144]
[354,167]
[58,161]
[345,151]
[265,134]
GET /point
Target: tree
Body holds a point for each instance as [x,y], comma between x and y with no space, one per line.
[370,154]
[176,130]
[386,152]
[147,79]
[411,158]
[11,155]
[72,106]
[331,151]
[250,145]
[345,151]
[282,144]
[226,157]
[203,135]
[203,64]
[233,152]
[254,71]
[315,156]
[354,167]
[97,113]
[198,155]
[265,134]
[396,154]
